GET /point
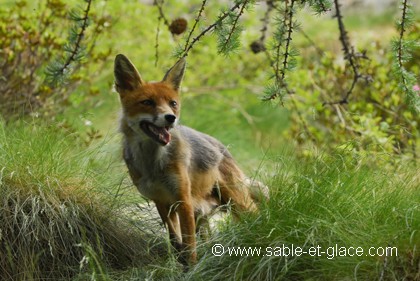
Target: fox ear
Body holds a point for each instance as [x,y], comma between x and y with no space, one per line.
[175,74]
[126,75]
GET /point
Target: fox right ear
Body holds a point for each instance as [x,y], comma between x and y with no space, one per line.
[126,75]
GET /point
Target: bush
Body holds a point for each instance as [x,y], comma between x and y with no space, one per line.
[376,119]
[32,39]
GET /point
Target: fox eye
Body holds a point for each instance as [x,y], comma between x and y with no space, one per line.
[173,103]
[148,102]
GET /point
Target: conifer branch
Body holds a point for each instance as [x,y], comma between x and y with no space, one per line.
[402,48]
[197,19]
[234,25]
[349,55]
[286,53]
[77,45]
[281,68]
[57,71]
[400,55]
[211,27]
[279,44]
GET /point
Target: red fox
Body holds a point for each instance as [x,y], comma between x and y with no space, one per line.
[185,172]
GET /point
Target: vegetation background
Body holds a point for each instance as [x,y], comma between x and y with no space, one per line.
[341,162]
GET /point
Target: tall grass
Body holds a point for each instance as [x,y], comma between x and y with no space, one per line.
[325,202]
[56,220]
[66,213]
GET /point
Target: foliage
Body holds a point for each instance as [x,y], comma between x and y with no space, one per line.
[376,120]
[32,38]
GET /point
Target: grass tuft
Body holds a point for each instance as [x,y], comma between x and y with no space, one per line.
[55,220]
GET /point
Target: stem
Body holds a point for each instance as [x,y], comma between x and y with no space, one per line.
[161,14]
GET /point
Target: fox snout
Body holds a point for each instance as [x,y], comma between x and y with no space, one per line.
[170,118]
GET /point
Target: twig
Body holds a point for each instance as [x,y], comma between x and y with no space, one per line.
[157,42]
[197,19]
[235,23]
[279,43]
[275,64]
[159,4]
[400,42]
[266,20]
[288,40]
[349,55]
[209,28]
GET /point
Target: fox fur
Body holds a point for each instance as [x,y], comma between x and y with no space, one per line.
[187,174]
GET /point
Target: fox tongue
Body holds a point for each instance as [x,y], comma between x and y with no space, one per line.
[161,133]
[164,136]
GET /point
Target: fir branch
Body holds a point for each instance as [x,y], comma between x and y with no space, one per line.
[280,39]
[75,52]
[57,71]
[402,48]
[234,27]
[287,53]
[211,27]
[349,55]
[286,27]
[400,53]
[197,19]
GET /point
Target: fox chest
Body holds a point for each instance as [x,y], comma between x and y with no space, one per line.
[151,176]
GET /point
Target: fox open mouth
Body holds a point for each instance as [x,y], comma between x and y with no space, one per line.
[158,134]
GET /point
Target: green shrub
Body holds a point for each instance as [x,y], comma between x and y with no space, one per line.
[32,38]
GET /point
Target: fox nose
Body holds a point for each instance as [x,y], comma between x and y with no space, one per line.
[170,118]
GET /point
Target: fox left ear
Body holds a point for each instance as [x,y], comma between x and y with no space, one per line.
[127,78]
[175,74]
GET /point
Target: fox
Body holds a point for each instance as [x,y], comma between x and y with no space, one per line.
[186,173]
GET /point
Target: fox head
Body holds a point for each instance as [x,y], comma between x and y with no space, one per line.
[151,110]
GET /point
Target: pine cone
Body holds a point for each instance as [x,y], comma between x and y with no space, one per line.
[178,26]
[257,47]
